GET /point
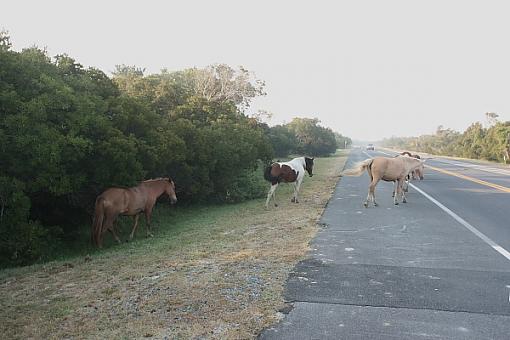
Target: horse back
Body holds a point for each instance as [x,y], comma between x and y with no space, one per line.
[120,200]
[388,169]
[284,173]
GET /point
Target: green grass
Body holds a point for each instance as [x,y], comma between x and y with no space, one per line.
[209,268]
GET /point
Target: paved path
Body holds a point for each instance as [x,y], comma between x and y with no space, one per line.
[437,267]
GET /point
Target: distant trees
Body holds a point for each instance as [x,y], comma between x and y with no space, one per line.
[342,142]
[477,142]
[303,136]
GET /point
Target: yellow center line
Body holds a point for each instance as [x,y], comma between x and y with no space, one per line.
[476,180]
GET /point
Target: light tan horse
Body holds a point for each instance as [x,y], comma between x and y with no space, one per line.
[386,169]
[131,202]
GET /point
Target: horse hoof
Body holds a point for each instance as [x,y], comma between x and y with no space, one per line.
[365,205]
[404,201]
[275,205]
[396,203]
[292,200]
[376,205]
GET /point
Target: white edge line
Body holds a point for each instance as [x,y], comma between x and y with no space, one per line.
[459,219]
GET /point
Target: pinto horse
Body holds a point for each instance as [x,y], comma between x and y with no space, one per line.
[388,169]
[129,202]
[288,172]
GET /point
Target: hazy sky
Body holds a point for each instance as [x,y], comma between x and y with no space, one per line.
[367,69]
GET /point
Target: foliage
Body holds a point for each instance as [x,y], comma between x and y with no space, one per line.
[312,139]
[477,142]
[342,142]
[68,132]
[284,141]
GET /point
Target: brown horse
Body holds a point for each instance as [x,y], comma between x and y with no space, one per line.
[131,202]
[418,172]
[387,169]
[415,174]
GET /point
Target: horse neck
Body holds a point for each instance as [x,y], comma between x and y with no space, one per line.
[154,187]
[299,161]
[411,164]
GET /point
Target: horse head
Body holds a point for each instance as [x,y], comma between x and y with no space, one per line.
[170,190]
[309,165]
[419,171]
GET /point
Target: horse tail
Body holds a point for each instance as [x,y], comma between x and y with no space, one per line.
[358,168]
[97,224]
[267,175]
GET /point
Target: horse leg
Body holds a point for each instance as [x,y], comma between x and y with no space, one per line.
[274,199]
[115,236]
[296,190]
[271,193]
[399,190]
[403,192]
[148,214]
[371,192]
[373,195]
[108,225]
[135,224]
[293,199]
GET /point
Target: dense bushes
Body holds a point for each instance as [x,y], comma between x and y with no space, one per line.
[67,133]
[303,136]
[477,142]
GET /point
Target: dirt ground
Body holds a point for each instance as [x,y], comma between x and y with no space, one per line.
[219,275]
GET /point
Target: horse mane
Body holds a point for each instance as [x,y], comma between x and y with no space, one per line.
[169,179]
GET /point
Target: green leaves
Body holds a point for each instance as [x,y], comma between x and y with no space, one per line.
[303,136]
[477,142]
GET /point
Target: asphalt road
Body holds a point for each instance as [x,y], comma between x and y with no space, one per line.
[437,267]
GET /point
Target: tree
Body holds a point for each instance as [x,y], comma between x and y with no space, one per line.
[313,139]
[342,142]
[222,83]
[491,118]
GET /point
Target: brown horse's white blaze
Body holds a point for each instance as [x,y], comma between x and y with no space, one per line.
[386,169]
[287,172]
[131,202]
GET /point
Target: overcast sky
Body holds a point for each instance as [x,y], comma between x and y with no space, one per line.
[367,69]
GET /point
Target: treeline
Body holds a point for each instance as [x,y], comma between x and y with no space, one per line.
[68,132]
[305,136]
[477,142]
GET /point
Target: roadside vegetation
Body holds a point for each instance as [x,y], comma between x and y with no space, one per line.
[214,271]
[490,142]
[68,132]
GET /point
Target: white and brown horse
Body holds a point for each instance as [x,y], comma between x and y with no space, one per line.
[288,172]
[386,169]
